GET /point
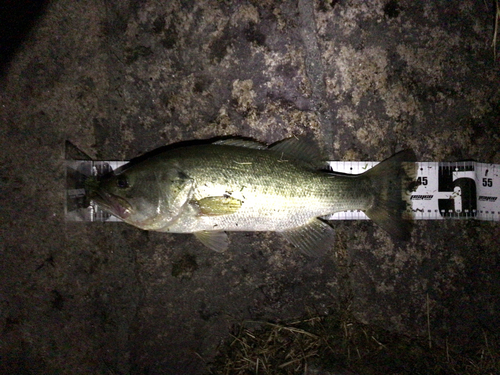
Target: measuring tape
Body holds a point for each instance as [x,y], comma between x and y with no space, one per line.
[458,190]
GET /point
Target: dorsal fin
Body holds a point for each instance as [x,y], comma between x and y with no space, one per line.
[298,149]
[236,142]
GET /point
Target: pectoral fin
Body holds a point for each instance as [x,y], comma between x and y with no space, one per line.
[213,206]
[313,239]
[216,240]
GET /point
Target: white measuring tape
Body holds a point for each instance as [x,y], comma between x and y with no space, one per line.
[458,190]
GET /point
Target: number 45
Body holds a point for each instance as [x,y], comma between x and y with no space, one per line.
[422,180]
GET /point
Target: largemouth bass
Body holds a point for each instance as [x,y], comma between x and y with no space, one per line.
[240,185]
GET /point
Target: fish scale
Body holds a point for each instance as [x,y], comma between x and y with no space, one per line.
[275,195]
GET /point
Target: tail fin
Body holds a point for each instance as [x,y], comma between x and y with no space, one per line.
[391,181]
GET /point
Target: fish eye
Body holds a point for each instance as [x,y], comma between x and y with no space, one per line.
[122,182]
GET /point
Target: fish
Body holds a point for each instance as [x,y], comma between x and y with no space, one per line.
[237,184]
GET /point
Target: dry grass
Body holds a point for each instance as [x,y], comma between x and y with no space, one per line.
[495,33]
[272,349]
[332,344]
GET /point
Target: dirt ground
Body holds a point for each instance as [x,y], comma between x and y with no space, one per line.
[119,78]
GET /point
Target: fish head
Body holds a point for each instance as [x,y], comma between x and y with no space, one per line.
[146,197]
[127,195]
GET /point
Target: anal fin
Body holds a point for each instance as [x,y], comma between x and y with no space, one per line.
[313,239]
[215,240]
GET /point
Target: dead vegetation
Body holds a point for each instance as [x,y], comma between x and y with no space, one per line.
[335,345]
[495,32]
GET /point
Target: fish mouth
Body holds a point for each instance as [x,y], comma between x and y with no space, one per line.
[117,206]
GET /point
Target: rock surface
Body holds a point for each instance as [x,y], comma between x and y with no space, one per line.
[119,78]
